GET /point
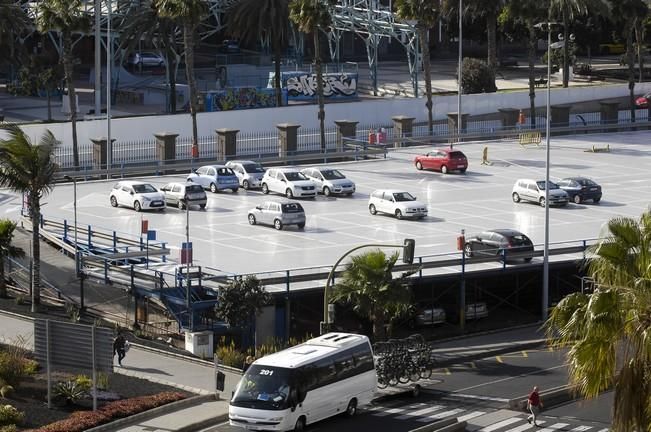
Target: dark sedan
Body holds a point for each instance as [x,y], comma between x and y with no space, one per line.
[498,242]
[581,189]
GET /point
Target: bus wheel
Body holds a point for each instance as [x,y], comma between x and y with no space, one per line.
[352,408]
[300,425]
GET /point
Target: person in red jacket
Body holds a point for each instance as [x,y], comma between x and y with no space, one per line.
[534,404]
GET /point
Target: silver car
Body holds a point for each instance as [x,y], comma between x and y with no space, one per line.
[330,181]
[249,173]
[278,214]
[175,195]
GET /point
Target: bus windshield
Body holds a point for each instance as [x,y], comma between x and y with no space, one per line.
[263,387]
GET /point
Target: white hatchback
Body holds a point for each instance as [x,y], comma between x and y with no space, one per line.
[330,181]
[398,203]
[288,181]
[137,195]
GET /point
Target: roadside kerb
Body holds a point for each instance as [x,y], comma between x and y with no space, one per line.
[450,424]
[162,410]
[550,398]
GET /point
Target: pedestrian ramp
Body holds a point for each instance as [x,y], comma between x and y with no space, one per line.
[478,418]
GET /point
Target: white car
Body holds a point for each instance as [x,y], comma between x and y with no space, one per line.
[147,59]
[249,173]
[288,181]
[534,191]
[330,181]
[398,203]
[137,195]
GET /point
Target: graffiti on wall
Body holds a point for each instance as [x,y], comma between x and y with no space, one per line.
[241,98]
[302,85]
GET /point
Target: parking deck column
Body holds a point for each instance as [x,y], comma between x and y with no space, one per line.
[509,117]
[402,127]
[560,115]
[287,139]
[345,129]
[99,152]
[453,128]
[609,113]
[226,143]
[166,147]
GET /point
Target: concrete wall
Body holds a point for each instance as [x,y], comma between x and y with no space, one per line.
[365,112]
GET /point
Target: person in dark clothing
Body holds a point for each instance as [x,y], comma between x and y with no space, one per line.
[120,347]
[249,360]
[534,403]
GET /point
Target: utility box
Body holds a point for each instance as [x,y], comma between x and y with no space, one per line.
[200,344]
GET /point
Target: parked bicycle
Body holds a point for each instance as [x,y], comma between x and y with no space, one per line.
[403,360]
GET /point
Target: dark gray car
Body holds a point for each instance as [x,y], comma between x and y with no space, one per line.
[278,214]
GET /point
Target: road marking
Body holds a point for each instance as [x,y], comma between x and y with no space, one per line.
[470,415]
[501,424]
[525,427]
[441,415]
[554,427]
[511,378]
[522,355]
[420,412]
[485,398]
[389,412]
[581,429]
[444,371]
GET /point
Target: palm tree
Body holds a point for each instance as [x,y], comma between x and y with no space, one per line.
[190,13]
[369,286]
[311,16]
[29,169]
[426,14]
[7,250]
[143,23]
[66,17]
[607,331]
[14,23]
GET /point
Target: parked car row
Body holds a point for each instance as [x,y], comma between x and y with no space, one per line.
[577,189]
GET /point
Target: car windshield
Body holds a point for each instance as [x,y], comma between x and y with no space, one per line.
[541,185]
[144,188]
[253,168]
[456,155]
[586,182]
[193,188]
[332,175]
[293,176]
[225,172]
[403,196]
[518,239]
[263,387]
[292,208]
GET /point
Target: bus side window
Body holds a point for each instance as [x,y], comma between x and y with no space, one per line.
[345,365]
[326,372]
[308,378]
[363,359]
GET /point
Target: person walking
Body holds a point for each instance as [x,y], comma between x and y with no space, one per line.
[248,362]
[120,347]
[534,404]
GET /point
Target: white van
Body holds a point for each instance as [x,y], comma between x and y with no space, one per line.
[325,376]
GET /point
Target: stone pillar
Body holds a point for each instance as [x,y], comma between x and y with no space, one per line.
[99,152]
[166,147]
[609,113]
[345,129]
[453,120]
[402,127]
[226,144]
[509,117]
[560,115]
[287,139]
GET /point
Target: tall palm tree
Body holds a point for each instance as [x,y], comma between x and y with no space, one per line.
[67,17]
[248,19]
[368,285]
[7,250]
[29,169]
[607,331]
[311,16]
[14,23]
[426,14]
[143,23]
[190,13]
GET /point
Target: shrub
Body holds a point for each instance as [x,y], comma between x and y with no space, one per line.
[70,391]
[102,381]
[230,356]
[9,415]
[9,428]
[12,369]
[6,391]
[84,382]
[20,300]
[477,77]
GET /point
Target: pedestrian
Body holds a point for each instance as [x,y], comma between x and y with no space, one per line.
[534,404]
[247,362]
[120,347]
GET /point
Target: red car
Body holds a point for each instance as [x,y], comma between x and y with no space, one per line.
[643,101]
[443,160]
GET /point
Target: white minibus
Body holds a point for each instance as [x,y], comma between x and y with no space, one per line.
[323,377]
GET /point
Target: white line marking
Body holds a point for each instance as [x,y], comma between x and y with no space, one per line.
[581,429]
[501,424]
[441,415]
[554,427]
[421,412]
[511,378]
[486,398]
[524,427]
[470,415]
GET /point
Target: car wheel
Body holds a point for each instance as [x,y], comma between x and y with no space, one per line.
[528,259]
[462,171]
[398,214]
[577,199]
[351,410]
[419,166]
[114,202]
[444,169]
[301,226]
[213,188]
[289,193]
[467,250]
[278,224]
[300,425]
[596,200]
[372,209]
[542,202]
[180,205]
[202,206]
[251,219]
[245,185]
[234,190]
[265,188]
[516,197]
[136,206]
[326,191]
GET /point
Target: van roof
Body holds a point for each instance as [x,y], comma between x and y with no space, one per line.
[312,350]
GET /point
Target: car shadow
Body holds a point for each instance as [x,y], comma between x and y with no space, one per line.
[541,164]
[604,204]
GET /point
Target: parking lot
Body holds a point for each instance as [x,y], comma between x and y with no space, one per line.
[477,200]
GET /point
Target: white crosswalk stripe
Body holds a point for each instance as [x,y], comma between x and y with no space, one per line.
[471,415]
[525,427]
[441,415]
[554,427]
[581,429]
[501,424]
[388,412]
[420,413]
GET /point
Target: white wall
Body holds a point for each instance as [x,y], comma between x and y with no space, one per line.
[367,112]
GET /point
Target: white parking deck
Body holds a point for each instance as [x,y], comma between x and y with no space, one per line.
[477,200]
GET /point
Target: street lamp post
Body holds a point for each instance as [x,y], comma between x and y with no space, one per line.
[459,72]
[188,251]
[545,293]
[77,263]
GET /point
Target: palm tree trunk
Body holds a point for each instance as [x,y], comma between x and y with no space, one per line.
[36,251]
[532,72]
[48,93]
[491,33]
[378,324]
[319,89]
[3,285]
[424,47]
[630,57]
[277,58]
[188,33]
[639,31]
[566,47]
[72,95]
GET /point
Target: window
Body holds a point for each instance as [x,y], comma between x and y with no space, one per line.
[176,188]
[363,358]
[294,176]
[225,172]
[202,171]
[292,208]
[532,186]
[211,172]
[325,372]
[331,175]
[345,365]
